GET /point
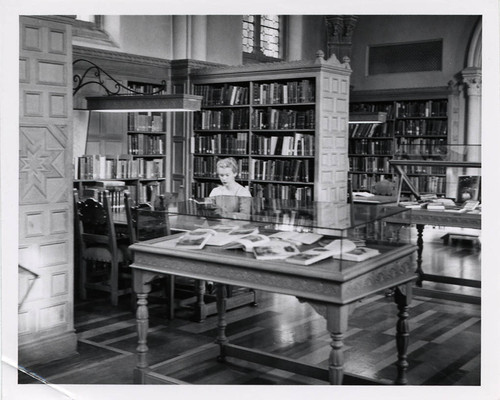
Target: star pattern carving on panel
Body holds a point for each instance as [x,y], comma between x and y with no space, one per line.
[37,163]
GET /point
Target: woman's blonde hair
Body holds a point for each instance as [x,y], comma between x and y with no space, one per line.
[229,162]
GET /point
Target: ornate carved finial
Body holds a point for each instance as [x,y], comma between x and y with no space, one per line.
[346,62]
[320,57]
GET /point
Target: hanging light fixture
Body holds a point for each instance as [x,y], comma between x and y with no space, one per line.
[124,99]
[367,117]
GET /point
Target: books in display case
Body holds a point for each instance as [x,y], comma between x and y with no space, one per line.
[195,239]
[248,242]
[275,250]
[357,254]
[311,256]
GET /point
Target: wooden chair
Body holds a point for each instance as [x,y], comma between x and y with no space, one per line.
[146,223]
[102,259]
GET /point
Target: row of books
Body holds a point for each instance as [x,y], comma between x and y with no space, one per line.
[367,130]
[421,127]
[221,119]
[226,94]
[366,181]
[202,189]
[272,118]
[374,107]
[284,93]
[206,167]
[294,170]
[115,189]
[429,108]
[141,193]
[147,88]
[427,184]
[284,192]
[369,164]
[144,144]
[97,166]
[413,146]
[297,145]
[423,170]
[364,146]
[236,143]
[149,121]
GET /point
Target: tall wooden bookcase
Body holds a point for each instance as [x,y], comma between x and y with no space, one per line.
[420,124]
[127,147]
[285,123]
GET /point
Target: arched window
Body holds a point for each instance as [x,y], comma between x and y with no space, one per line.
[262,38]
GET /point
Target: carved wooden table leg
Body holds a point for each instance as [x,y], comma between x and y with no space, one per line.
[221,293]
[420,244]
[402,297]
[200,307]
[142,287]
[336,323]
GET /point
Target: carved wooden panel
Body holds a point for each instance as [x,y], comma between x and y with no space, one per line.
[45,184]
[332,161]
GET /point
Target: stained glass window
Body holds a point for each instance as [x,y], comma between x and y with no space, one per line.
[261,35]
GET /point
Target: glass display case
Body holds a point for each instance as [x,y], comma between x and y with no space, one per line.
[448,171]
[326,234]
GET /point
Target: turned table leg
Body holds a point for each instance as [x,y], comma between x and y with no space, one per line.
[336,323]
[221,293]
[402,297]
[200,306]
[142,287]
[420,244]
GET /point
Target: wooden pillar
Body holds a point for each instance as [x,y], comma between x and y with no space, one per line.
[46,329]
[199,37]
[295,30]
[472,78]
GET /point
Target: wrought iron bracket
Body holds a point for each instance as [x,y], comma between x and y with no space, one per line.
[96,75]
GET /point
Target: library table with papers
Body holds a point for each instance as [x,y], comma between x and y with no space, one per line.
[334,286]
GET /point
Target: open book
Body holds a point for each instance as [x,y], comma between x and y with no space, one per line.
[196,239]
[358,254]
[332,249]
[275,250]
[225,234]
[311,256]
[299,237]
[248,242]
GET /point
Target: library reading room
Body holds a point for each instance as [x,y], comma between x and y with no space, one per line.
[249,200]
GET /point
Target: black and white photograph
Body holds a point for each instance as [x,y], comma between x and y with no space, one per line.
[307,121]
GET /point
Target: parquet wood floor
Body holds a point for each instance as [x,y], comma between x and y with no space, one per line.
[445,341]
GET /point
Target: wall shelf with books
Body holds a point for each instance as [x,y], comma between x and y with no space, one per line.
[417,124]
[287,111]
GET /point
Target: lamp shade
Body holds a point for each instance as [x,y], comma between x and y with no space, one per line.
[367,117]
[137,103]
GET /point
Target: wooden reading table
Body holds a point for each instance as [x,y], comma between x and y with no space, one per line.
[332,287]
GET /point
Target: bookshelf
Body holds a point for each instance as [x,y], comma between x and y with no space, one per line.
[285,123]
[416,127]
[137,162]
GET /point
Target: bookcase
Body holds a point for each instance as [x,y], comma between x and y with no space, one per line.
[285,123]
[136,161]
[417,126]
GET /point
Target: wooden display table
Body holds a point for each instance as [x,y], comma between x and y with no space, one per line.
[332,289]
[421,218]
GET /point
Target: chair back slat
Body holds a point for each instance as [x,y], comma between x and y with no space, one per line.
[94,221]
[145,222]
